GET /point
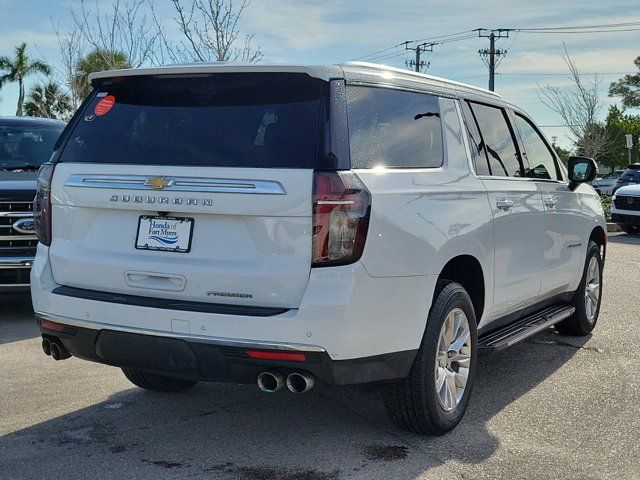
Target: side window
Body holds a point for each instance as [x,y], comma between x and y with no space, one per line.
[497,141]
[541,161]
[393,128]
[477,147]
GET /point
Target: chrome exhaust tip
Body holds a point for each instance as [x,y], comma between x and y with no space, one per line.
[46,346]
[270,381]
[58,352]
[300,382]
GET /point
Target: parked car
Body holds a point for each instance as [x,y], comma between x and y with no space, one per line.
[625,208]
[631,176]
[25,144]
[604,185]
[287,225]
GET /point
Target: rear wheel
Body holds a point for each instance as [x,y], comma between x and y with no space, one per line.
[157,383]
[630,229]
[434,397]
[587,298]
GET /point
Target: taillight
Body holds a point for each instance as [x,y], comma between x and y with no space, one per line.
[619,180]
[42,204]
[341,208]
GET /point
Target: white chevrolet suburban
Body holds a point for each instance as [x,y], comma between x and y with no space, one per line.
[288,225]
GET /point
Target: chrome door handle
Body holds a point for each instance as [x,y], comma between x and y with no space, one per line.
[504,204]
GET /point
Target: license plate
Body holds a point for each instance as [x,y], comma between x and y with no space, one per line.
[167,234]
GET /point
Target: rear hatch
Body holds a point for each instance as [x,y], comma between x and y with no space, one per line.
[195,188]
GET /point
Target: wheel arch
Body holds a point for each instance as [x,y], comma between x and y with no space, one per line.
[467,271]
[599,236]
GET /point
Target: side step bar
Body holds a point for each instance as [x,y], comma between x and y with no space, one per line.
[525,327]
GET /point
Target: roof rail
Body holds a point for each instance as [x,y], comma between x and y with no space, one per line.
[377,66]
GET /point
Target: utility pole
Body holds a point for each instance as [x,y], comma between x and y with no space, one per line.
[491,53]
[418,49]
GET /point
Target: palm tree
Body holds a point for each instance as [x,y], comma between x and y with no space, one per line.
[48,101]
[18,69]
[97,60]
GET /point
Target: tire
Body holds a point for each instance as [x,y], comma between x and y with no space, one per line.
[629,229]
[157,383]
[583,321]
[414,403]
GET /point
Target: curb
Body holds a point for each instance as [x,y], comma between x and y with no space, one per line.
[613,227]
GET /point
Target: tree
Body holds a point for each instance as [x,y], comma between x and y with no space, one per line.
[563,153]
[126,27]
[618,124]
[48,101]
[211,33]
[18,69]
[97,60]
[579,108]
[628,88]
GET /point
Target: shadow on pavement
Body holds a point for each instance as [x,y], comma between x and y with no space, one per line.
[625,239]
[16,318]
[231,431]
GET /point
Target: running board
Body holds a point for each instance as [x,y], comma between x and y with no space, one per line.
[525,327]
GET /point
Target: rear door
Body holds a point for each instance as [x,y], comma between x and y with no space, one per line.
[191,188]
[518,212]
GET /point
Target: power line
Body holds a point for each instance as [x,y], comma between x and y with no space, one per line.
[581,27]
[564,32]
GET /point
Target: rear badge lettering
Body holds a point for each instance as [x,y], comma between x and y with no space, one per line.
[214,293]
[150,200]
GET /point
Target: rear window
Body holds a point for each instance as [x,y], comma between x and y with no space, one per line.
[393,128]
[26,145]
[220,120]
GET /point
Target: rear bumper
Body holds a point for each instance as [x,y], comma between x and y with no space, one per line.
[214,360]
[359,324]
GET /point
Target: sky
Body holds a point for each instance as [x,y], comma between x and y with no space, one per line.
[335,31]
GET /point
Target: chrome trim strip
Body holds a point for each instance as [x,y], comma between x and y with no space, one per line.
[15,214]
[13,285]
[16,262]
[17,237]
[177,184]
[229,342]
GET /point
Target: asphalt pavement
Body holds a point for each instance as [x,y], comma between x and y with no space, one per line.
[552,407]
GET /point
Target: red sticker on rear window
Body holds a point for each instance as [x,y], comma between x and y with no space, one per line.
[104,105]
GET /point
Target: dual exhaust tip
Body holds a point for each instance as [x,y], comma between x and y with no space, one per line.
[53,346]
[296,382]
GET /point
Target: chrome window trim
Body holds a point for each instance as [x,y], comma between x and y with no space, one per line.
[177,184]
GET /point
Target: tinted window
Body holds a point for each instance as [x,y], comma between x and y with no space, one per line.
[541,161]
[477,146]
[631,174]
[24,146]
[227,120]
[393,128]
[497,141]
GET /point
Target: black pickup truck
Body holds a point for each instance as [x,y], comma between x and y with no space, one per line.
[25,144]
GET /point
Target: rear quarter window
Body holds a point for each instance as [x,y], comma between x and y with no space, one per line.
[393,128]
[217,120]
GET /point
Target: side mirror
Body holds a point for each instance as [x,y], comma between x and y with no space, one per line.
[581,170]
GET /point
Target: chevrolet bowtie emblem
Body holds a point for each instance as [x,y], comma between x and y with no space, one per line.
[158,183]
